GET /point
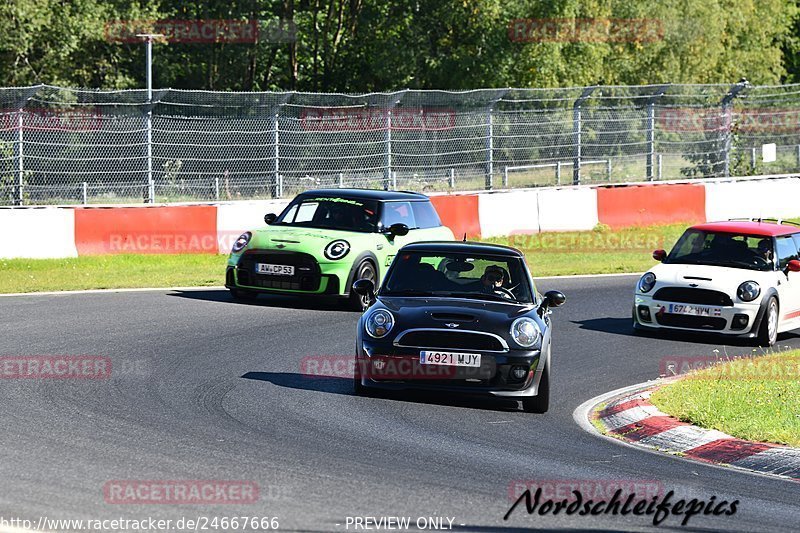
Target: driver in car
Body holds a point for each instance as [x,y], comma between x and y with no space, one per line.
[492,281]
[765,250]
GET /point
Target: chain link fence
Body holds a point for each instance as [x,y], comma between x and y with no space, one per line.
[77,146]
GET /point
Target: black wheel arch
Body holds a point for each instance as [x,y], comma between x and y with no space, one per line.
[360,258]
[762,309]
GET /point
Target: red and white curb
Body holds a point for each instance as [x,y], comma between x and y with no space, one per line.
[628,416]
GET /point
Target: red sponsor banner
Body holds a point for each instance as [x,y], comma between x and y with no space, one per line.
[55,367]
[594,489]
[593,30]
[375,119]
[184,31]
[146,230]
[174,492]
[772,120]
[741,368]
[379,367]
[65,119]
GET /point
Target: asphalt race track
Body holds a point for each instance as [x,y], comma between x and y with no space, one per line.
[204,388]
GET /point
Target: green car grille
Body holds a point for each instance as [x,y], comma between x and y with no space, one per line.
[306,271]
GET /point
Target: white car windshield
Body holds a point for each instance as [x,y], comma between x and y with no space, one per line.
[696,247]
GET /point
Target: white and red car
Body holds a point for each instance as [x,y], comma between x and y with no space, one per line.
[739,278]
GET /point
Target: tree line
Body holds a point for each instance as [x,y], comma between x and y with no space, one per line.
[379,45]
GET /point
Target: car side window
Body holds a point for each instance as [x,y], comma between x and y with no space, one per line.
[787,250]
[796,238]
[425,215]
[398,212]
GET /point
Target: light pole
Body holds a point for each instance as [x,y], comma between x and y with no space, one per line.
[151,188]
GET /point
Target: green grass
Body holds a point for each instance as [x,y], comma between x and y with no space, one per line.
[601,251]
[754,399]
[111,272]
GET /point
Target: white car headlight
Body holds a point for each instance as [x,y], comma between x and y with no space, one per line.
[748,291]
[379,323]
[647,282]
[337,249]
[525,332]
[241,243]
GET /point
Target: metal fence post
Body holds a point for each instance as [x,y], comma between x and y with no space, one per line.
[276,154]
[216,188]
[505,176]
[651,130]
[452,178]
[388,147]
[85,193]
[753,158]
[20,162]
[341,180]
[490,153]
[660,160]
[576,134]
[608,169]
[558,172]
[727,107]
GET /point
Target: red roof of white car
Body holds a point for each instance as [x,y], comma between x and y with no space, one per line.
[761,229]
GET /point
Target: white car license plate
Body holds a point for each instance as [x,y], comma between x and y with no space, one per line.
[694,310]
[450,358]
[275,270]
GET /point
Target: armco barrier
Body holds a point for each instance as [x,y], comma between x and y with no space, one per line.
[774,198]
[146,230]
[571,209]
[507,213]
[235,218]
[67,232]
[645,205]
[460,214]
[37,233]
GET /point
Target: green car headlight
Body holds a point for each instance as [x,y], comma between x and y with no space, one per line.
[241,242]
[337,249]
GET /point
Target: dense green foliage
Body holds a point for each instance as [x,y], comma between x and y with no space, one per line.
[375,45]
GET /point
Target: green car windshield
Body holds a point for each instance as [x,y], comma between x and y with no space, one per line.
[483,277]
[324,212]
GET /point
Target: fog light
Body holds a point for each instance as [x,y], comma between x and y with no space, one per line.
[519,372]
[644,313]
[740,321]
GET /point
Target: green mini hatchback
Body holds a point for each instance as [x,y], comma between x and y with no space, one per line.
[325,239]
